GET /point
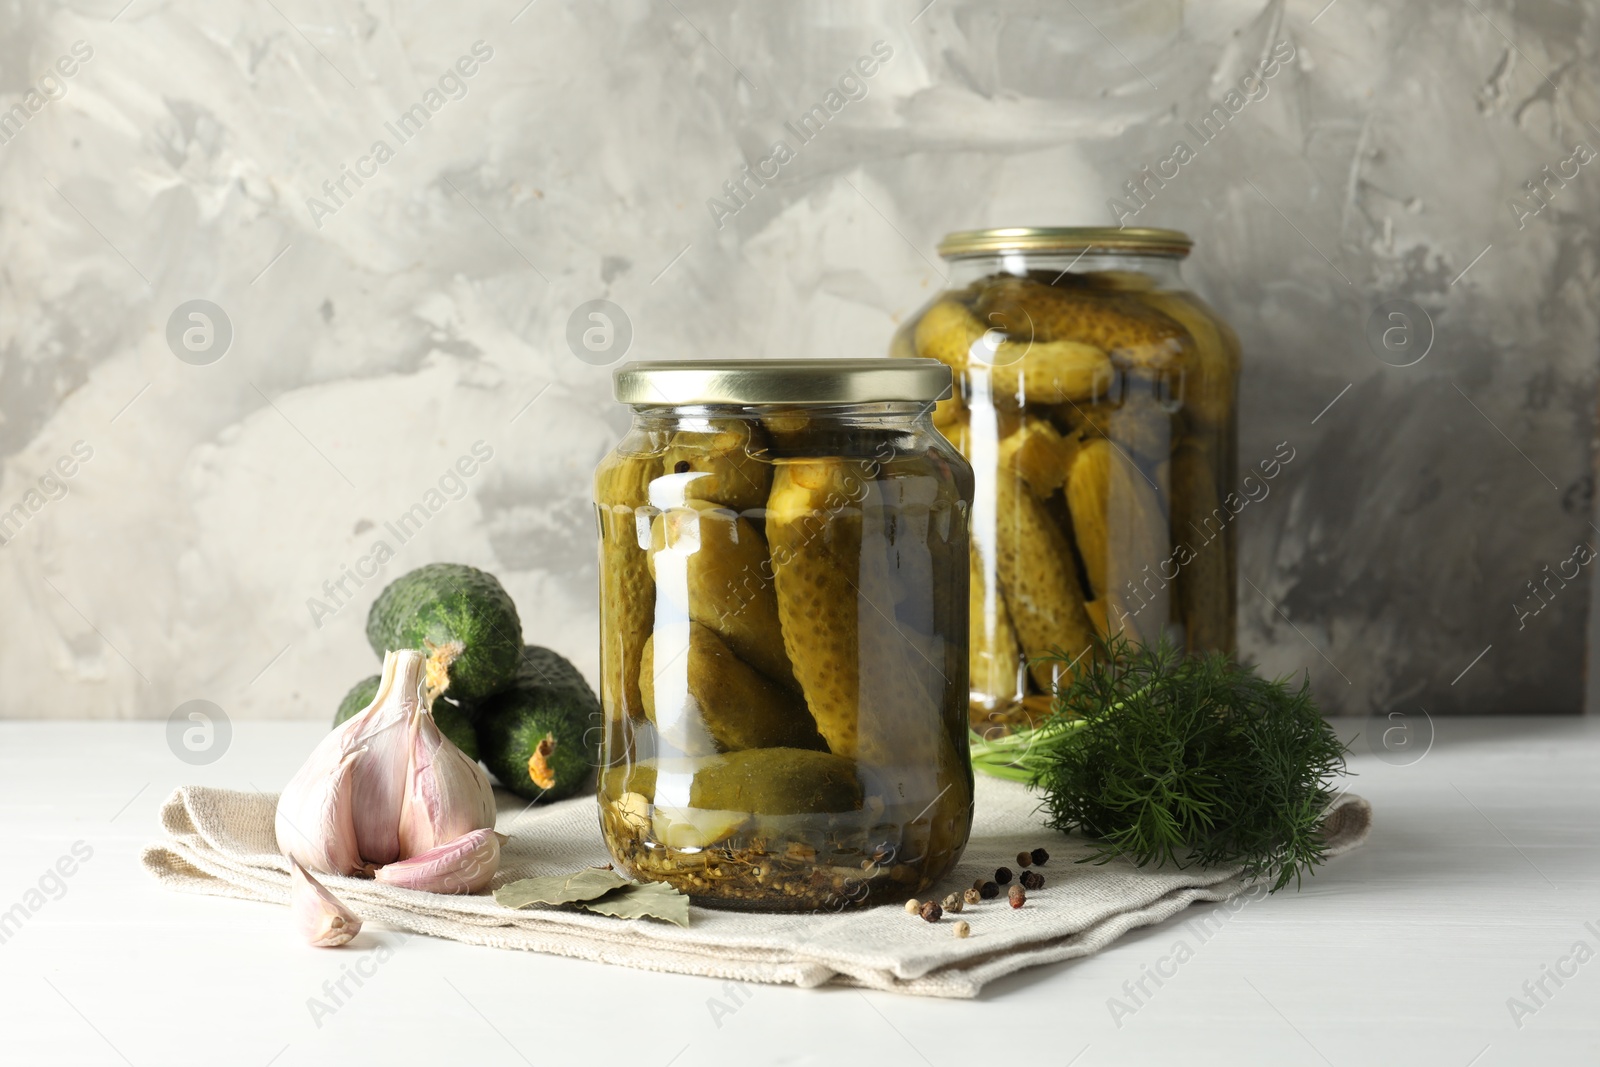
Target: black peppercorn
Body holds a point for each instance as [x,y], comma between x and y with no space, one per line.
[1040,857]
[931,911]
[1024,859]
[1032,880]
[1002,875]
[989,891]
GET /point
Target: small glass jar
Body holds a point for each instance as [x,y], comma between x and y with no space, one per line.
[783,587]
[1095,399]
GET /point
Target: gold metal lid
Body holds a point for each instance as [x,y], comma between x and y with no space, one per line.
[1065,239]
[781,381]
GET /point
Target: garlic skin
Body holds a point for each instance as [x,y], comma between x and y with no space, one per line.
[321,917]
[387,786]
[464,865]
[446,794]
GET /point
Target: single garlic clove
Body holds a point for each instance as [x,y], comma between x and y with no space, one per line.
[447,795]
[384,729]
[322,918]
[314,819]
[464,865]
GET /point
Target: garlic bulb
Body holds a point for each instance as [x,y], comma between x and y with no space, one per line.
[323,919]
[387,788]
[340,813]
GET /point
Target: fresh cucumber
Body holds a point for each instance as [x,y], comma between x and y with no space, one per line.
[462,618]
[541,737]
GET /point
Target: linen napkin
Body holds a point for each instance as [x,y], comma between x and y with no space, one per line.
[221,842]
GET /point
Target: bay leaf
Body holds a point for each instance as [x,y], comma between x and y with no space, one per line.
[587,884]
[642,900]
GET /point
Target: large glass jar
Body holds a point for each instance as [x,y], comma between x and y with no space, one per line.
[1095,401]
[783,588]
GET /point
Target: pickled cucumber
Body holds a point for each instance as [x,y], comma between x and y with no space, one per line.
[824,438]
[870,687]
[814,528]
[948,411]
[1010,367]
[1046,372]
[704,699]
[789,431]
[726,463]
[959,434]
[1035,450]
[1121,531]
[1142,425]
[760,781]
[1088,485]
[1040,455]
[627,595]
[868,683]
[1209,393]
[711,565]
[946,332]
[826,526]
[1124,280]
[1119,324]
[1037,576]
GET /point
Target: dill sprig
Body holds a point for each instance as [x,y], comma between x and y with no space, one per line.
[1168,758]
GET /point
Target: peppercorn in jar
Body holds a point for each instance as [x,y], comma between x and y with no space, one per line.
[1094,397]
[783,573]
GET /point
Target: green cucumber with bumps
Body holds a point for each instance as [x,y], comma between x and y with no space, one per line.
[541,737]
[462,618]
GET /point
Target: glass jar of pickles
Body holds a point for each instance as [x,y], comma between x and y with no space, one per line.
[783,580]
[1095,400]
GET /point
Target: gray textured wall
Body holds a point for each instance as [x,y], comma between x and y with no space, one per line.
[377,336]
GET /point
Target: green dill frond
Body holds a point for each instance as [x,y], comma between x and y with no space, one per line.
[1166,758]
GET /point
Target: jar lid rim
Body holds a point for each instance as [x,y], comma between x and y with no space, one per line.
[781,381]
[1143,239]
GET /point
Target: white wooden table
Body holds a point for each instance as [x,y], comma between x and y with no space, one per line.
[1481,875]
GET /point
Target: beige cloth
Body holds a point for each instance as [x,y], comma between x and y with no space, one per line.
[221,842]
